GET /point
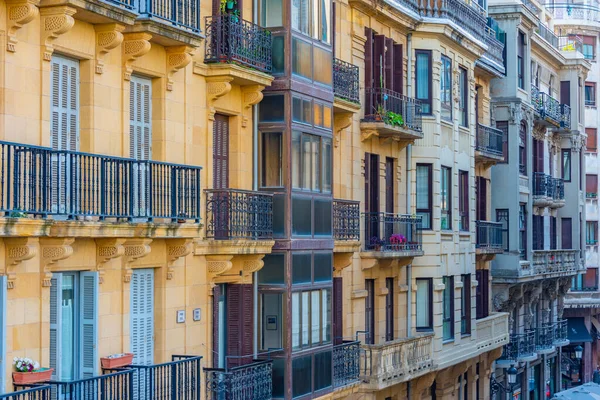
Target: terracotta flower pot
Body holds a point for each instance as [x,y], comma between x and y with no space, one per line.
[116,362]
[36,376]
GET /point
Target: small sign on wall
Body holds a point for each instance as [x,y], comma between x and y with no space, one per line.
[180,316]
[197,314]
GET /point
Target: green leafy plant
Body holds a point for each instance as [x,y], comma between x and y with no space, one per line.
[394,119]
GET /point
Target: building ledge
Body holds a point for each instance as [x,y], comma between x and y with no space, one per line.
[165,33]
[346,246]
[232,247]
[97,11]
[242,76]
[342,106]
[385,131]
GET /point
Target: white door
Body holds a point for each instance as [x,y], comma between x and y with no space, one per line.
[64,128]
[142,327]
[140,141]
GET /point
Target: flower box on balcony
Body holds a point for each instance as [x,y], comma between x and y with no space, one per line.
[35,376]
[116,360]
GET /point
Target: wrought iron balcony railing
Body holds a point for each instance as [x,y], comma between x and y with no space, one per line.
[489,140]
[346,220]
[495,51]
[389,232]
[249,382]
[43,181]
[230,39]
[345,81]
[34,393]
[550,108]
[559,189]
[489,235]
[544,338]
[520,346]
[540,184]
[466,14]
[239,214]
[381,102]
[565,112]
[346,363]
[183,14]
[560,333]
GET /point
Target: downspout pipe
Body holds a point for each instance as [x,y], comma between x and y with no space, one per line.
[255,187]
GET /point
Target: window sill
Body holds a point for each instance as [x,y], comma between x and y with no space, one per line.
[447,341]
[464,129]
[447,123]
[424,329]
[465,335]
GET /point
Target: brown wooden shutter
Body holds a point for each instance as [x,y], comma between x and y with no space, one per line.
[478,294]
[221,152]
[541,155]
[378,59]
[389,64]
[240,328]
[481,199]
[398,69]
[389,185]
[367,182]
[592,139]
[215,312]
[591,183]
[565,92]
[338,311]
[566,234]
[368,69]
[389,309]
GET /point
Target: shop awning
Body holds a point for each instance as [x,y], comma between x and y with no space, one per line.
[577,332]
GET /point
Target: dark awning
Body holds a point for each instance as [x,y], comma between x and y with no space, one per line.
[577,332]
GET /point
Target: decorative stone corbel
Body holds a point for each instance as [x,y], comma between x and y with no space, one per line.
[216,87]
[106,250]
[218,264]
[56,21]
[17,251]
[178,57]
[253,264]
[135,45]
[134,250]
[54,250]
[365,134]
[341,121]
[20,13]
[251,95]
[176,249]
[108,37]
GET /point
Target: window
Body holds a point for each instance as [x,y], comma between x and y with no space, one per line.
[446,198]
[463,200]
[521,60]
[271,172]
[523,231]
[566,232]
[465,315]
[566,165]
[389,309]
[591,186]
[271,13]
[310,268]
[502,216]
[590,94]
[271,329]
[553,233]
[592,140]
[301,63]
[538,232]
[589,47]
[424,204]
[446,88]
[273,270]
[370,311]
[463,97]
[271,109]
[311,318]
[591,233]
[503,126]
[448,308]
[423,79]
[523,148]
[483,293]
[301,16]
[424,303]
[311,162]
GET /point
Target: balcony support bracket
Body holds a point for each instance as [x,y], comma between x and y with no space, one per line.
[106,250]
[56,21]
[20,13]
[252,95]
[135,45]
[215,88]
[341,121]
[178,57]
[54,250]
[135,249]
[17,251]
[108,37]
[177,249]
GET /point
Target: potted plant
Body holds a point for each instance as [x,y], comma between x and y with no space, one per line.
[397,241]
[394,119]
[116,360]
[380,113]
[376,243]
[28,371]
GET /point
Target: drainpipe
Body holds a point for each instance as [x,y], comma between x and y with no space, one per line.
[255,187]
[408,186]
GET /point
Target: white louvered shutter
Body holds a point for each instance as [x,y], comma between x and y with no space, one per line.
[140,140]
[142,316]
[55,319]
[64,126]
[88,311]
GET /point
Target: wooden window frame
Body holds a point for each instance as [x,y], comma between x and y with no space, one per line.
[567,153]
[428,210]
[429,326]
[463,200]
[370,316]
[502,215]
[590,103]
[446,63]
[464,96]
[465,316]
[523,230]
[521,58]
[447,173]
[389,310]
[429,78]
[448,291]
[591,145]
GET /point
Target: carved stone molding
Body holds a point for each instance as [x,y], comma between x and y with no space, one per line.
[20,13]
[135,45]
[216,87]
[253,264]
[54,250]
[539,132]
[56,21]
[218,264]
[178,57]
[251,95]
[106,250]
[176,249]
[17,251]
[134,249]
[577,142]
[108,37]
[365,134]
[341,121]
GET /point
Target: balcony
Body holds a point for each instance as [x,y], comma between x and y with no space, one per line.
[238,215]
[547,108]
[391,115]
[545,33]
[565,121]
[249,382]
[489,237]
[548,191]
[489,145]
[39,181]
[520,348]
[555,262]
[391,236]
[494,39]
[560,333]
[34,393]
[544,339]
[346,220]
[577,14]
[346,364]
[345,82]
[571,43]
[492,331]
[390,363]
[235,41]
